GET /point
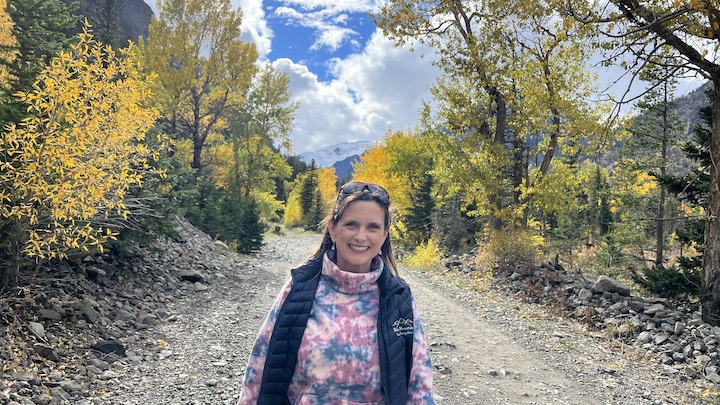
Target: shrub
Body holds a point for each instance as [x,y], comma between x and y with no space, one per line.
[507,248]
[293,212]
[427,255]
[671,282]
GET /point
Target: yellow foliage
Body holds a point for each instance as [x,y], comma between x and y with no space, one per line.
[268,206]
[72,162]
[373,168]
[644,184]
[427,256]
[7,43]
[293,212]
[327,183]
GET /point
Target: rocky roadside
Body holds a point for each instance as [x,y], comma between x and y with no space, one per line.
[176,324]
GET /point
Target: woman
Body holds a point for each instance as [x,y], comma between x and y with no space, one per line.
[344,329]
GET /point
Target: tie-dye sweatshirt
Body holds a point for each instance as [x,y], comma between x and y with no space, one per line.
[338,360]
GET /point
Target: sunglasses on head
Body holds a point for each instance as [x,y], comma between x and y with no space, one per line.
[360,186]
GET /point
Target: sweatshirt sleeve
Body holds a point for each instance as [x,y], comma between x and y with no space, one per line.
[420,389]
[256,363]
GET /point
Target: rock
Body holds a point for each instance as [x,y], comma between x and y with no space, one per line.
[714,377]
[200,287]
[585,295]
[70,386]
[191,275]
[50,314]
[109,346]
[37,329]
[45,351]
[100,364]
[607,284]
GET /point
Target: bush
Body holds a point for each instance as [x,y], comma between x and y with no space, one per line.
[427,255]
[673,282]
[293,212]
[507,248]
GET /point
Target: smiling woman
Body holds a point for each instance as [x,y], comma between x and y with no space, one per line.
[344,328]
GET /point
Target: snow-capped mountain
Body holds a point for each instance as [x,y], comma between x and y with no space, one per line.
[328,155]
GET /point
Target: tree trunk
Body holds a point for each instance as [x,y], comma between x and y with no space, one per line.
[710,288]
[660,229]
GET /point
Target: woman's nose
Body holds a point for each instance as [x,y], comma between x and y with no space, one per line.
[361,234]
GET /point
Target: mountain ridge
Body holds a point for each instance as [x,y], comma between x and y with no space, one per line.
[330,155]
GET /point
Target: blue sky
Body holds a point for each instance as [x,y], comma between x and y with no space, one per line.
[352,84]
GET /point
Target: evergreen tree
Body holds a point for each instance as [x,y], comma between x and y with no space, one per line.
[419,218]
[317,212]
[683,280]
[250,229]
[308,186]
[42,28]
[655,133]
[105,18]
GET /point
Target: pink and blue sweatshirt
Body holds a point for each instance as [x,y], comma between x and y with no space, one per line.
[338,359]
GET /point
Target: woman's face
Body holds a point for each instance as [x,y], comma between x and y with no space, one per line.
[358,235]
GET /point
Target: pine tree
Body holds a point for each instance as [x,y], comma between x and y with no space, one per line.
[693,187]
[105,18]
[317,212]
[43,28]
[419,218]
[250,235]
[308,186]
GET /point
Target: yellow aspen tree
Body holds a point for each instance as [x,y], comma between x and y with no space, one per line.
[374,167]
[327,183]
[67,168]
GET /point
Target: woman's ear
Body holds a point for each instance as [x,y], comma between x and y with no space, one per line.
[331,229]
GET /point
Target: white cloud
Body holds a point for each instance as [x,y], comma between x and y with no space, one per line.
[254,26]
[380,88]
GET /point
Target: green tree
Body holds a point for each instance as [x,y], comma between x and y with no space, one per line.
[104,15]
[513,77]
[42,29]
[419,219]
[260,128]
[203,67]
[308,191]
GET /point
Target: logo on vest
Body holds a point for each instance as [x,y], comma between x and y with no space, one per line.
[403,327]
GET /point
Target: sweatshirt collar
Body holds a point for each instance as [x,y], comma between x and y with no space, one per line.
[349,282]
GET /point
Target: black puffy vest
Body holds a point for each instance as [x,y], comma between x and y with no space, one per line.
[395,336]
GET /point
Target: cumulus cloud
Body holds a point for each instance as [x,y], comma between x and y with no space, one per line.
[372,91]
[254,26]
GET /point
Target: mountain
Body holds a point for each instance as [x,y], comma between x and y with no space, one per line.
[329,155]
[688,107]
[344,169]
